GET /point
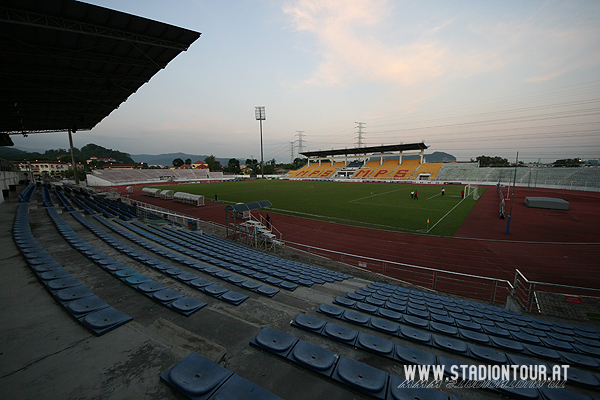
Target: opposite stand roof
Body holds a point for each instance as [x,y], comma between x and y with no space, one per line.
[67,64]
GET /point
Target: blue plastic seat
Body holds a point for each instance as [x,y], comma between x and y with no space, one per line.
[456,346]
[444,319]
[340,333]
[525,338]
[365,307]
[588,350]
[274,341]
[375,344]
[196,377]
[166,296]
[384,326]
[507,344]
[473,326]
[486,354]
[150,287]
[557,344]
[232,297]
[395,307]
[72,293]
[443,328]
[415,334]
[214,290]
[267,291]
[361,377]
[411,355]
[356,318]
[344,301]
[330,310]
[105,320]
[200,283]
[309,323]
[494,331]
[250,285]
[186,305]
[579,359]
[62,283]
[86,305]
[541,352]
[389,314]
[415,321]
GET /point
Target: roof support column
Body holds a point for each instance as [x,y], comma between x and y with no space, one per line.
[73,162]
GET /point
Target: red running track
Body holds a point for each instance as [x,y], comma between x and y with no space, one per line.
[545,245]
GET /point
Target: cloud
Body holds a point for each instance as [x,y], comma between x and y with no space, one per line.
[351,50]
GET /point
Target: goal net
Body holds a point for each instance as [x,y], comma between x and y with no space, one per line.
[472,190]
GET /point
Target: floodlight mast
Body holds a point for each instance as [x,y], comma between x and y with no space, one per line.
[259,113]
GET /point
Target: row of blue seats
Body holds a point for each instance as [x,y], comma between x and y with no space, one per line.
[188,278]
[199,378]
[241,259]
[26,194]
[188,250]
[475,313]
[270,259]
[80,204]
[46,198]
[405,354]
[170,298]
[384,291]
[350,373]
[90,310]
[456,345]
[125,211]
[66,203]
[192,261]
[516,329]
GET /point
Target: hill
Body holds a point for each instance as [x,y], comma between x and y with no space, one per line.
[87,151]
[167,159]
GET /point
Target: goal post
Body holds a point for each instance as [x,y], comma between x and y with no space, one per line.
[472,190]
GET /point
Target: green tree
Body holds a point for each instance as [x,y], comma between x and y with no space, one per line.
[178,162]
[252,166]
[213,163]
[487,161]
[188,161]
[233,166]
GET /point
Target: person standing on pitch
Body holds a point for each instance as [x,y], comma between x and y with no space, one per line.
[443,191]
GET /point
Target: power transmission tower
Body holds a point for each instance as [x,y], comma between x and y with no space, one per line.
[300,135]
[292,152]
[360,126]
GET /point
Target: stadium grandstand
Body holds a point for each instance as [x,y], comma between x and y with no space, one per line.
[406,163]
[112,177]
[105,296]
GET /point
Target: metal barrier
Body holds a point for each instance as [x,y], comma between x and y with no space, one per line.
[528,293]
[482,288]
[171,216]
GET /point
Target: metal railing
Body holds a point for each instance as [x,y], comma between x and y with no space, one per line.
[170,216]
[482,288]
[527,292]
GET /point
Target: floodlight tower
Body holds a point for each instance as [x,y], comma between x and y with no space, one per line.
[259,113]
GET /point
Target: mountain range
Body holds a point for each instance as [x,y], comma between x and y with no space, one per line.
[167,159]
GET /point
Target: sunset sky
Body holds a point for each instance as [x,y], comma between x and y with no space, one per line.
[466,77]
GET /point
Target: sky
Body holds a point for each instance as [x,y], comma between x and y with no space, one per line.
[468,78]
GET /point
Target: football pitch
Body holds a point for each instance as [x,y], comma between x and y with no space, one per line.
[370,205]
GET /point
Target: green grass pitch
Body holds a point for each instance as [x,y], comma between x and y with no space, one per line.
[371,205]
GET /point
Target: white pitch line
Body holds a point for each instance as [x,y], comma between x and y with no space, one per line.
[378,194]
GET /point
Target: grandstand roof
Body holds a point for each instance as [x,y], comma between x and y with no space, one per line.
[67,64]
[366,150]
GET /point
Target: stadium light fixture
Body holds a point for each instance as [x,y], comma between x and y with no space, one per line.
[259,113]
